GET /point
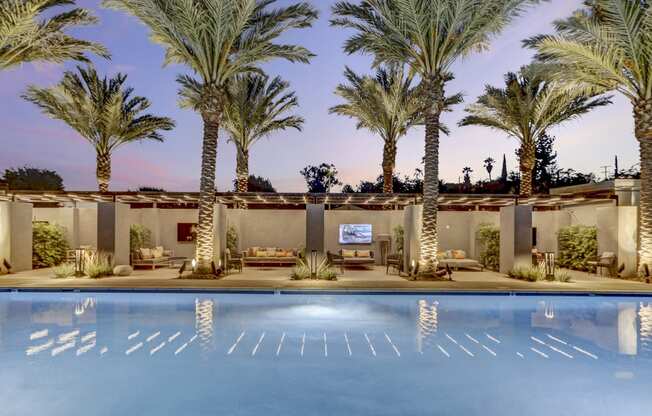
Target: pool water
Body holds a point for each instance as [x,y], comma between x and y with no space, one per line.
[296,354]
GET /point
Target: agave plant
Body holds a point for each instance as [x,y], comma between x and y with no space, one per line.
[103,111]
[525,109]
[217,40]
[428,36]
[25,38]
[257,107]
[607,46]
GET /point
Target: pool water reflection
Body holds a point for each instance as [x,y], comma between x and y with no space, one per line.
[246,354]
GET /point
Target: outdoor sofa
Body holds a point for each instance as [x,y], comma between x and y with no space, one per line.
[274,256]
[351,258]
[457,259]
[152,257]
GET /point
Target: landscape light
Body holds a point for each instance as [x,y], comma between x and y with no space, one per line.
[79,262]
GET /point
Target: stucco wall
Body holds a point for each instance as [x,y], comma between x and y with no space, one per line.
[87,225]
[268,228]
[16,234]
[168,220]
[64,217]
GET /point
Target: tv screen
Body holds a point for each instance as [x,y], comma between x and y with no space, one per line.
[355,234]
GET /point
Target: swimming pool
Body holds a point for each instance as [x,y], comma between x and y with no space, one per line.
[304,354]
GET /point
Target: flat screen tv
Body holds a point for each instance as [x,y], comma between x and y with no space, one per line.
[355,234]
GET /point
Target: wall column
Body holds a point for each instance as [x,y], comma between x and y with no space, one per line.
[16,235]
[113,230]
[219,233]
[515,237]
[315,225]
[618,233]
[412,235]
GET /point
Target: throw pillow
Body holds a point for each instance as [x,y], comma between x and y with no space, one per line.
[157,252]
[459,254]
[363,253]
[146,253]
[348,253]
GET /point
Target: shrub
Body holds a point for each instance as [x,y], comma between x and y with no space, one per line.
[324,271]
[64,271]
[489,238]
[139,237]
[49,245]
[399,238]
[577,244]
[232,239]
[98,264]
[529,274]
[563,277]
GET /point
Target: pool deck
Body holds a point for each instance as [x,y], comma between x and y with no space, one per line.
[365,280]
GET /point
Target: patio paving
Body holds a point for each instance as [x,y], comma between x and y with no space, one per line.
[278,278]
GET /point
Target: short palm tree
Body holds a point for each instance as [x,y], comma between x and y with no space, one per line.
[23,38]
[256,108]
[608,46]
[525,109]
[103,111]
[217,40]
[388,105]
[428,36]
[489,165]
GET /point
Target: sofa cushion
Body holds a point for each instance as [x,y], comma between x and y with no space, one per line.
[348,253]
[260,253]
[157,252]
[363,253]
[146,253]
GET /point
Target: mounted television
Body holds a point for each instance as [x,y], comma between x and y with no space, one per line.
[355,234]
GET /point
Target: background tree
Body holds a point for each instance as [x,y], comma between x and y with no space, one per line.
[429,37]
[489,166]
[150,189]
[503,171]
[406,185]
[545,164]
[525,109]
[103,111]
[257,108]
[31,31]
[320,179]
[217,41]
[607,46]
[467,171]
[33,179]
[257,184]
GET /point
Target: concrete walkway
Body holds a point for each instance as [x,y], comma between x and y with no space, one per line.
[278,278]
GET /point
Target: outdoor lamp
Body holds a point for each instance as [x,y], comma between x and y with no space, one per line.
[549,264]
[413,268]
[194,264]
[79,262]
[313,264]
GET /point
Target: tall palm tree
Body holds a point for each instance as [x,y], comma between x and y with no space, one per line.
[607,46]
[217,40]
[489,166]
[429,36]
[103,111]
[388,105]
[256,108]
[526,108]
[25,38]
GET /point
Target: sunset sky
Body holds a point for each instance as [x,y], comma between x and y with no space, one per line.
[29,138]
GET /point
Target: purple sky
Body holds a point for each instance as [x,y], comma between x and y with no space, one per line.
[30,138]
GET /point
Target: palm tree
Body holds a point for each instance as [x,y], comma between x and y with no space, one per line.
[489,166]
[526,108]
[23,38]
[217,40]
[103,111]
[429,36]
[467,171]
[256,108]
[388,105]
[607,46]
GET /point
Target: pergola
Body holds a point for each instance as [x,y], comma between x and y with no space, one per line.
[300,200]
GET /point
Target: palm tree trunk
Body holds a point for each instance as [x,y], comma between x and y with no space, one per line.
[389,162]
[527,159]
[103,171]
[242,169]
[207,193]
[429,241]
[643,132]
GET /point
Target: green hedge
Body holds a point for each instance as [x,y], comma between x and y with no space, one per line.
[49,245]
[489,238]
[139,237]
[577,244]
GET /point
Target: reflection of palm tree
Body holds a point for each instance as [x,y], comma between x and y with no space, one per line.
[204,324]
[645,317]
[427,322]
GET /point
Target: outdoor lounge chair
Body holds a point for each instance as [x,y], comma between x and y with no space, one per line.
[456,259]
[157,257]
[258,256]
[606,260]
[394,261]
[234,261]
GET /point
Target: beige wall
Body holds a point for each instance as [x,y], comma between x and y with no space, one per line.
[168,220]
[268,228]
[16,234]
[64,217]
[87,225]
